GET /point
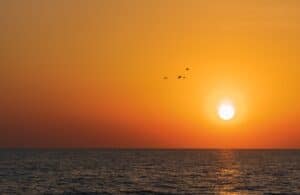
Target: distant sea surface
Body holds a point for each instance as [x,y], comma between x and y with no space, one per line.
[97,171]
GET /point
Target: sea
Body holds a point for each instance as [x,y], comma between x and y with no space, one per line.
[147,171]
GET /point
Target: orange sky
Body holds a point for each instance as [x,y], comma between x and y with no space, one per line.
[89,73]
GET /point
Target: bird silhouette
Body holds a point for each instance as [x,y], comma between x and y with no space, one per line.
[179,77]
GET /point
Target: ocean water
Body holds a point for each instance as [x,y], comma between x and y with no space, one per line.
[96,171]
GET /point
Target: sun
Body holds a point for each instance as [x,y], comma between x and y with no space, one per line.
[226,111]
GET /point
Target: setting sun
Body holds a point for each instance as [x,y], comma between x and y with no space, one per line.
[165,96]
[226,111]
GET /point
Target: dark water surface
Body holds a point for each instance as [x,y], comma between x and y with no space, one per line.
[149,171]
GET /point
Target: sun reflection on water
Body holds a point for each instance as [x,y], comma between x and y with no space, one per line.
[228,172]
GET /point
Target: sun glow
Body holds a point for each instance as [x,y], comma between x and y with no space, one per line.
[226,111]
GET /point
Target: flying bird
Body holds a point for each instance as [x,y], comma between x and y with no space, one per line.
[179,76]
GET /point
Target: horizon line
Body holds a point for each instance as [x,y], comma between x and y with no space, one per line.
[145,148]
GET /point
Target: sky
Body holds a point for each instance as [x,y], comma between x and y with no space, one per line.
[89,73]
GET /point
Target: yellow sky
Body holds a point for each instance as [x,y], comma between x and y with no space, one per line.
[102,62]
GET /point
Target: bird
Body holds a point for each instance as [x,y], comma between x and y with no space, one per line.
[179,76]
